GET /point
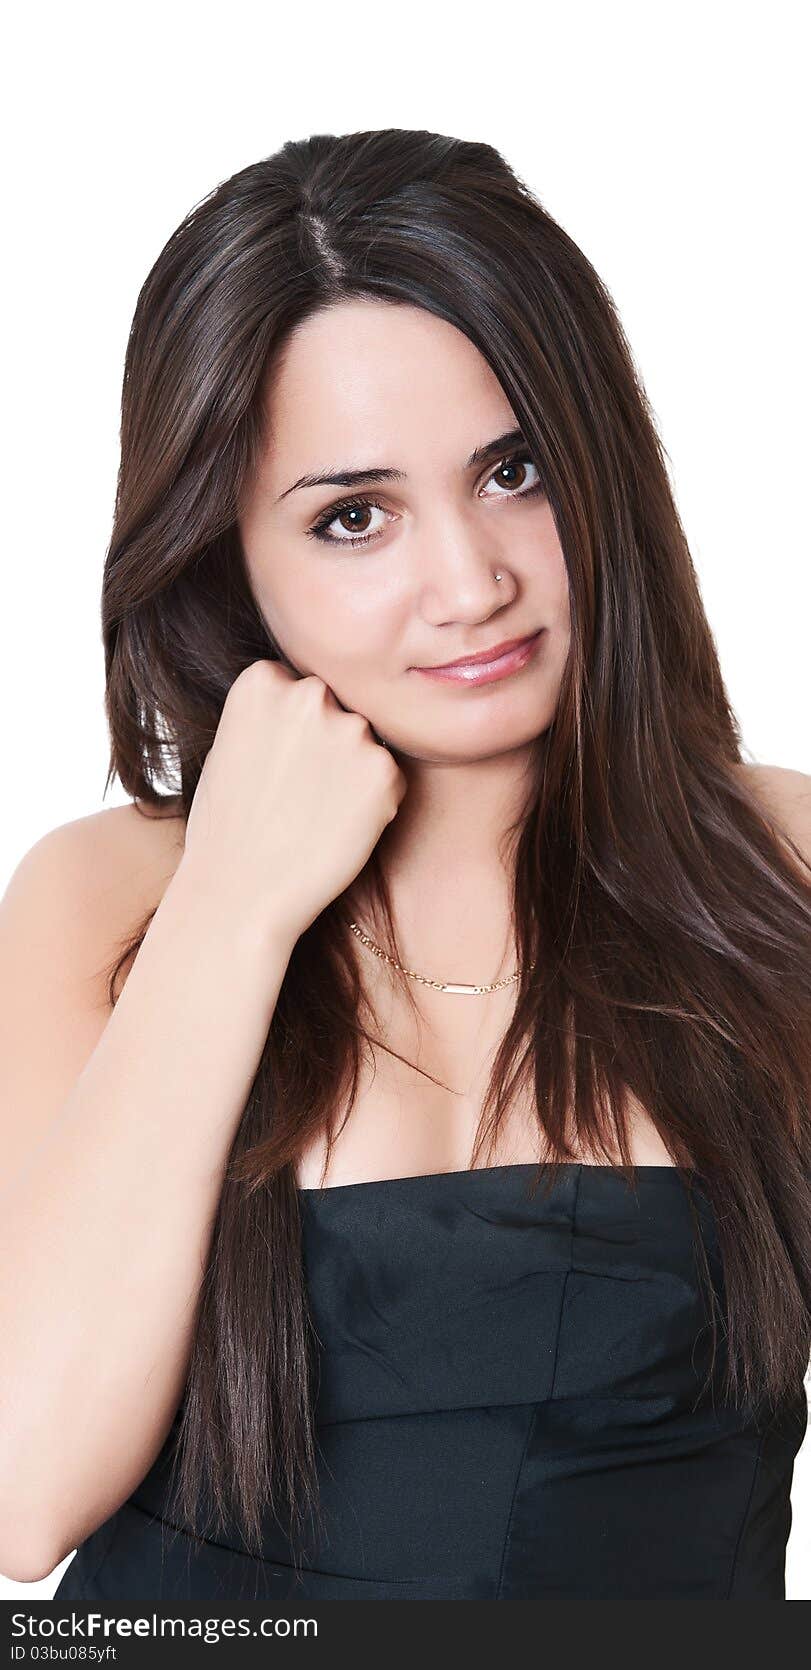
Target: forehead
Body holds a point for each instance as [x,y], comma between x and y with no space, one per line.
[368,382]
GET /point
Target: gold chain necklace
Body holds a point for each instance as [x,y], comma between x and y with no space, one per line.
[438,985]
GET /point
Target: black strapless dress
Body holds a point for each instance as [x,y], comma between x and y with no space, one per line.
[509,1407]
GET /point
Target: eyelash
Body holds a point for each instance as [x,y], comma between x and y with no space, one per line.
[318,529]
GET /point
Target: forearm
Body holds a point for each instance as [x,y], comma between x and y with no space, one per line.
[104,1234]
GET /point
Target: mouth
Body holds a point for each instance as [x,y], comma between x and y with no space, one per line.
[487,665]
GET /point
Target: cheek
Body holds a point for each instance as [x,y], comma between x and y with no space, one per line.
[562,599]
[333,622]
[545,577]
[367,613]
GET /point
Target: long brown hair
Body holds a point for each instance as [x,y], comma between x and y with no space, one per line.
[662,920]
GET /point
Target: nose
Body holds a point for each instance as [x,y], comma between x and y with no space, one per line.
[456,575]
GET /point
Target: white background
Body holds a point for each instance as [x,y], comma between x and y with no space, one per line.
[670,144]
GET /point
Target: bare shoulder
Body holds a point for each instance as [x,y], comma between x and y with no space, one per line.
[785,795]
[104,867]
[79,894]
[75,902]
[137,845]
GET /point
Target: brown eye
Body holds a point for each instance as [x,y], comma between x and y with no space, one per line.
[352,519]
[354,515]
[510,475]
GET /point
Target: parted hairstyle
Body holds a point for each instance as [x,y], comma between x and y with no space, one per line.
[662,920]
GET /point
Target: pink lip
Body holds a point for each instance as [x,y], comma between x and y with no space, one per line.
[492,664]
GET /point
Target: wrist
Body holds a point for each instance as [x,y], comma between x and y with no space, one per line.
[240,920]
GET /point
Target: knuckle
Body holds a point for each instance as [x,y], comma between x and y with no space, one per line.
[258,672]
[256,676]
[311,688]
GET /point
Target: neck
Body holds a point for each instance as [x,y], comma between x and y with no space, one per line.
[447,859]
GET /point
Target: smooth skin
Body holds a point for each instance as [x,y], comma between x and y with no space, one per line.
[406,392]
[367,385]
[105,1223]
[115,1127]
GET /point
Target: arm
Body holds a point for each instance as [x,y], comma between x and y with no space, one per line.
[112,1171]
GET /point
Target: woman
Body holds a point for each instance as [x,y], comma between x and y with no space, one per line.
[434,1201]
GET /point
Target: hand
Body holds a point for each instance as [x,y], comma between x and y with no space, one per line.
[294,795]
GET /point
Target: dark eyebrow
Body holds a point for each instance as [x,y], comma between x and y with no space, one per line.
[352,478]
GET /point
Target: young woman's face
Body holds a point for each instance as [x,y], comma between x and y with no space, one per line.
[369,387]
